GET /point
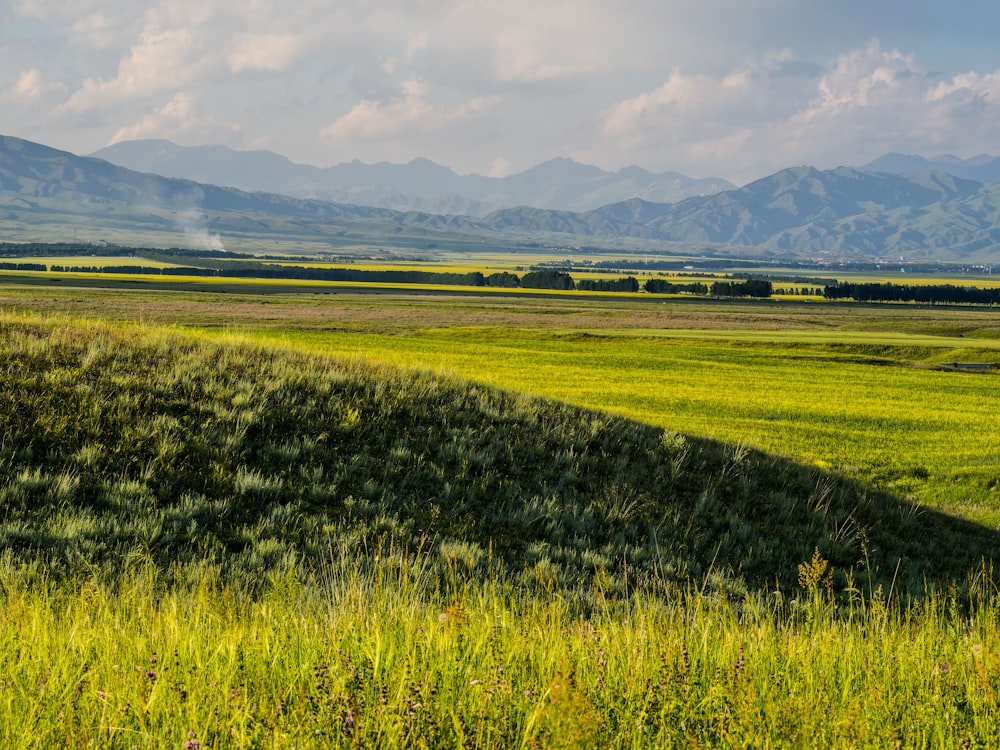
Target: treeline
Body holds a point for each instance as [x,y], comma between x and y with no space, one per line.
[64,249]
[661,286]
[531,280]
[790,278]
[134,270]
[928,293]
[22,267]
[760,288]
[535,279]
[628,284]
[57,249]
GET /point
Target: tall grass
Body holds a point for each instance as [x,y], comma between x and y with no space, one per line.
[119,439]
[880,412]
[227,545]
[371,656]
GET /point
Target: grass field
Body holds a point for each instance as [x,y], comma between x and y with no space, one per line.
[380,662]
[833,385]
[849,406]
[172,479]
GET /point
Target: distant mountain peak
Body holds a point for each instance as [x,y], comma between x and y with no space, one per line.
[421,184]
[982,168]
[801,212]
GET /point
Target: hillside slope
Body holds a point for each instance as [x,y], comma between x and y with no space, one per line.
[805,211]
[420,185]
[795,214]
[118,442]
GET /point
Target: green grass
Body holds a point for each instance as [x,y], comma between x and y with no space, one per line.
[832,385]
[855,403]
[374,657]
[238,526]
[116,440]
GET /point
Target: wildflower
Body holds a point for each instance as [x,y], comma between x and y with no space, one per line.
[151,675]
[192,743]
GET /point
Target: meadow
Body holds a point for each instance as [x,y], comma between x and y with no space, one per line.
[851,388]
[330,520]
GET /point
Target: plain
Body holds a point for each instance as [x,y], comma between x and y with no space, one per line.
[437,646]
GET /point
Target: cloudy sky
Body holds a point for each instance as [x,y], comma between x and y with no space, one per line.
[728,88]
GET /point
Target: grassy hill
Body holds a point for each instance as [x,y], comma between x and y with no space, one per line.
[120,441]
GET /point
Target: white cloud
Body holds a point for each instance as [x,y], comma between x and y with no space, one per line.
[874,100]
[701,106]
[660,83]
[97,30]
[868,77]
[32,87]
[412,111]
[179,120]
[158,62]
[268,52]
[968,86]
[753,120]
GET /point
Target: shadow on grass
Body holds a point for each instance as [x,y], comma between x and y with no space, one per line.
[117,442]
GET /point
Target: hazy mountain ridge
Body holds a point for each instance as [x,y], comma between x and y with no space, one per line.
[800,212]
[35,171]
[771,212]
[559,184]
[982,168]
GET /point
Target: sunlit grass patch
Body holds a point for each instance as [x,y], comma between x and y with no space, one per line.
[847,400]
[369,654]
[231,537]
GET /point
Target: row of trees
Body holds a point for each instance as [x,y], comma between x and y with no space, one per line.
[538,279]
[530,280]
[661,286]
[22,267]
[628,284]
[759,288]
[928,293]
[64,249]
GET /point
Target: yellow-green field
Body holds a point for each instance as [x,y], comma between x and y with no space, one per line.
[849,387]
[859,406]
[174,401]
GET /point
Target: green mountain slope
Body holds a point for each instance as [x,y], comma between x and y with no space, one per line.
[796,213]
[50,189]
[844,211]
[117,442]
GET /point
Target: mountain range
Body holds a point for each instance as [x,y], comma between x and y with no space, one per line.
[796,214]
[983,168]
[420,185]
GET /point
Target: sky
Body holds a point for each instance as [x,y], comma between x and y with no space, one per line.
[726,88]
